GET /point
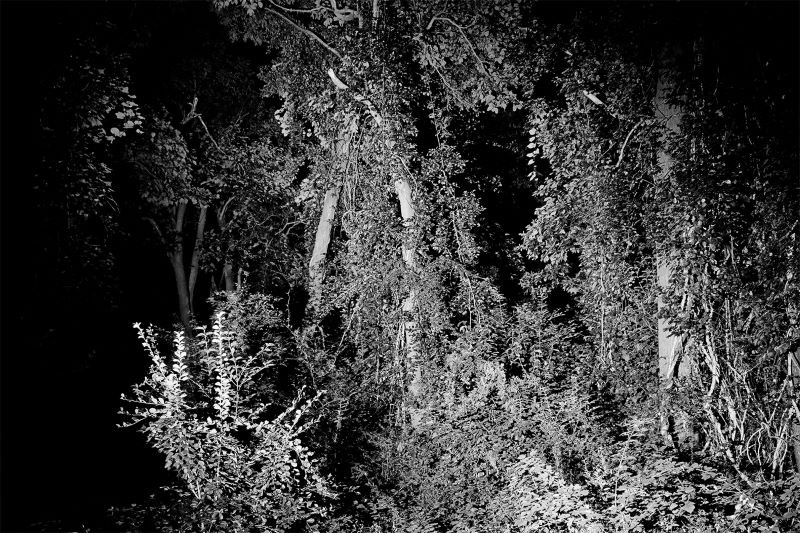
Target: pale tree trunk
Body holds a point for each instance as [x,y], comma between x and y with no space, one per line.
[794,387]
[176,259]
[322,239]
[227,267]
[376,12]
[198,245]
[410,332]
[227,275]
[672,360]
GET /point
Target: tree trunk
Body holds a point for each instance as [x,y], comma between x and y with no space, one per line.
[198,245]
[409,327]
[316,266]
[672,360]
[227,275]
[178,268]
[794,387]
[227,267]
[184,306]
[322,239]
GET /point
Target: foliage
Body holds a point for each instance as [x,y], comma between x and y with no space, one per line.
[89,107]
[607,216]
[542,501]
[241,466]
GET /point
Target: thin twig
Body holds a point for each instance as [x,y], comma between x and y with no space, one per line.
[193,114]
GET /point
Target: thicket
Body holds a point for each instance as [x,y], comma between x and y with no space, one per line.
[432,236]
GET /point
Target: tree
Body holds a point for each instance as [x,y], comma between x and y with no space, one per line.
[672,362]
[165,167]
[609,213]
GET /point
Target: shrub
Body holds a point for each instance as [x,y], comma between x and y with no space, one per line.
[239,468]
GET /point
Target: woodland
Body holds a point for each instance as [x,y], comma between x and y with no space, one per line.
[400,266]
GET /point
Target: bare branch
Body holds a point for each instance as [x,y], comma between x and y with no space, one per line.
[221,213]
[336,81]
[628,138]
[192,114]
[315,9]
[155,227]
[593,98]
[308,33]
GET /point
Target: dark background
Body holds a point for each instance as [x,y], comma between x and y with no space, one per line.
[67,359]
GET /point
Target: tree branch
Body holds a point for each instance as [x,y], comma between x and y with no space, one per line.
[308,33]
[316,9]
[221,213]
[193,114]
[155,227]
[346,15]
[343,86]
[628,138]
[460,28]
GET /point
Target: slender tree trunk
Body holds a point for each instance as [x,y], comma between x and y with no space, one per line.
[184,308]
[227,275]
[227,267]
[316,266]
[410,331]
[198,245]
[672,360]
[322,239]
[178,267]
[794,386]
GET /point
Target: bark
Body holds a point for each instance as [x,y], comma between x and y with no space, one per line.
[794,382]
[227,267]
[316,266]
[227,275]
[322,239]
[178,268]
[672,360]
[410,333]
[198,245]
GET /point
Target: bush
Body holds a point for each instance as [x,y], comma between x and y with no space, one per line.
[238,467]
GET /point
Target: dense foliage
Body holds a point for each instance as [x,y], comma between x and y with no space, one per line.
[470,266]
